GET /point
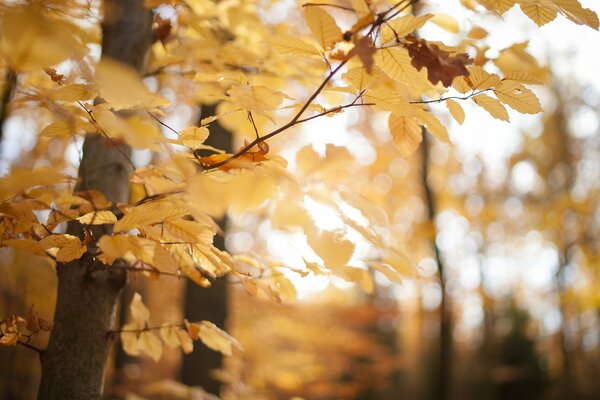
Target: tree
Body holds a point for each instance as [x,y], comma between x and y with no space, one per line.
[160,221]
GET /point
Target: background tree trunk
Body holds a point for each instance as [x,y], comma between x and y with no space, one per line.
[74,362]
[443,373]
[207,303]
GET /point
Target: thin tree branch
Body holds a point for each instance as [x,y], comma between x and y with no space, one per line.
[288,125]
[103,132]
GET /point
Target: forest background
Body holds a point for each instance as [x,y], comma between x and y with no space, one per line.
[363,262]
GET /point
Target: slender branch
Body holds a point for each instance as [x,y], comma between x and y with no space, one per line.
[334,110]
[467,97]
[251,118]
[144,329]
[101,130]
[327,5]
[162,123]
[288,125]
[26,344]
[30,347]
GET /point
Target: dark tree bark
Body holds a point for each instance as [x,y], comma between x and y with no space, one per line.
[207,303]
[6,94]
[445,343]
[73,364]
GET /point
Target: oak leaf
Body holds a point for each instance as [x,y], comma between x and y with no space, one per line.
[441,65]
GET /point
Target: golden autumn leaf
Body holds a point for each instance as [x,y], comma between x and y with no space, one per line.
[193,136]
[292,45]
[149,343]
[494,107]
[322,26]
[406,133]
[21,179]
[123,88]
[433,125]
[446,22]
[98,218]
[30,40]
[213,337]
[518,97]
[400,27]
[256,99]
[148,214]
[538,12]
[397,64]
[174,337]
[28,245]
[456,111]
[478,79]
[71,251]
[138,310]
[74,92]
[333,248]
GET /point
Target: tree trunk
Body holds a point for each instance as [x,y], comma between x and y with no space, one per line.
[445,343]
[6,94]
[73,364]
[207,303]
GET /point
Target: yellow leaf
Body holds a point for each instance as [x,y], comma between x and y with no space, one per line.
[499,5]
[456,111]
[323,26]
[215,338]
[359,276]
[289,215]
[133,248]
[406,132]
[30,40]
[150,344]
[70,251]
[58,129]
[518,97]
[402,26]
[73,92]
[573,10]
[460,84]
[523,77]
[190,231]
[477,33]
[57,241]
[480,79]
[98,218]
[174,337]
[445,22]
[539,13]
[387,271]
[21,179]
[148,214]
[121,86]
[359,79]
[139,312]
[333,248]
[292,45]
[129,340]
[28,245]
[283,289]
[195,275]
[389,100]
[257,99]
[397,64]
[492,106]
[434,126]
[193,136]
